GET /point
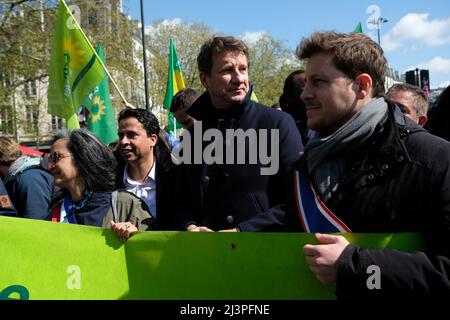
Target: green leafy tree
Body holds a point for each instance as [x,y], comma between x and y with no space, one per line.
[271,62]
[188,38]
[26,33]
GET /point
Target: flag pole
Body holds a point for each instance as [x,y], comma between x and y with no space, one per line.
[147,104]
[175,127]
[95,53]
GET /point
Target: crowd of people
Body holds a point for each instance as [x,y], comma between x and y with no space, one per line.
[350,157]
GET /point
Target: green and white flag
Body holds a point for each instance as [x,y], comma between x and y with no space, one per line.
[101,119]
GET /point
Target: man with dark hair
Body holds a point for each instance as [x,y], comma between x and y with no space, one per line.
[291,103]
[411,100]
[181,102]
[28,183]
[370,170]
[145,166]
[226,191]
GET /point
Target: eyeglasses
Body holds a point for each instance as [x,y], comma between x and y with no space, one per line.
[55,157]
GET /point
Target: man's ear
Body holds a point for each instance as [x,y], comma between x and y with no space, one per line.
[203,80]
[365,85]
[154,138]
[423,120]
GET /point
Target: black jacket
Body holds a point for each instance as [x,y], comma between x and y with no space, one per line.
[225,196]
[399,182]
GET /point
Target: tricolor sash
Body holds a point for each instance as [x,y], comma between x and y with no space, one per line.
[314,214]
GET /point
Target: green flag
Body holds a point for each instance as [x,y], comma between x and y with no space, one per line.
[101,119]
[74,69]
[175,83]
[358,28]
[253,97]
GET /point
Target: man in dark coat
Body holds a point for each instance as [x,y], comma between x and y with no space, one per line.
[374,170]
[235,182]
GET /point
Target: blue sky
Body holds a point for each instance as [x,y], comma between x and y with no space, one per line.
[417,33]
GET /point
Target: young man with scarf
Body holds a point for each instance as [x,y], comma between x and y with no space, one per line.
[373,171]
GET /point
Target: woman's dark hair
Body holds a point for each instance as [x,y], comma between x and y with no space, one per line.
[94,160]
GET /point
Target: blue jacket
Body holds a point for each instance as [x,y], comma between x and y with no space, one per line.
[6,206]
[30,188]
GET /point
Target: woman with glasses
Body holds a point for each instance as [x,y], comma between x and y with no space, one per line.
[84,168]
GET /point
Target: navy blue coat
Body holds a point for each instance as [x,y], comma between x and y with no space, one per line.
[225,196]
[6,206]
[31,193]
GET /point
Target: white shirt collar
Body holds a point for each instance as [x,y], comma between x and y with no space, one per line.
[150,177]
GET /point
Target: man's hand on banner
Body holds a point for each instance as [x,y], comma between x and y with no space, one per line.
[124,230]
[322,258]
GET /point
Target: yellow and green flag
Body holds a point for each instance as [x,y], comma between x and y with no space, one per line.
[175,83]
[74,69]
[101,119]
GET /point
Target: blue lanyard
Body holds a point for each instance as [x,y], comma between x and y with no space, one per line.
[71,207]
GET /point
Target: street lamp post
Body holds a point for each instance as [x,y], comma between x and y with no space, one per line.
[378,23]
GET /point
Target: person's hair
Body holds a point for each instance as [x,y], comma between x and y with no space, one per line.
[444,99]
[145,117]
[439,116]
[94,160]
[353,54]
[217,45]
[9,151]
[420,98]
[289,88]
[183,99]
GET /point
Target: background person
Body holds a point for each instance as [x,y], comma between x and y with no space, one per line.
[29,184]
[411,100]
[439,117]
[181,103]
[291,102]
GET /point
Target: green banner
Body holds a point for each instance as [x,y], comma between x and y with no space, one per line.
[44,260]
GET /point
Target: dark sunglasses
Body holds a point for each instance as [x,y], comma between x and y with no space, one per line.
[55,157]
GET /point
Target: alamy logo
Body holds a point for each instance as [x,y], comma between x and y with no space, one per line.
[76,12]
[374,280]
[230,146]
[74,280]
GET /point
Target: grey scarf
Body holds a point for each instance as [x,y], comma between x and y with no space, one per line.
[326,156]
[20,165]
